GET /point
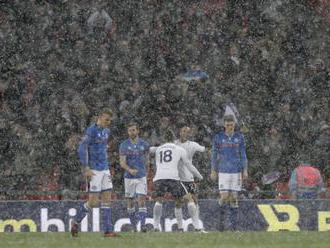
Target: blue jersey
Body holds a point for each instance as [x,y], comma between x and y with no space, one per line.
[135,156]
[93,149]
[228,153]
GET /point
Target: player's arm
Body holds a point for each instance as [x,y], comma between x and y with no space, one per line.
[214,160]
[244,158]
[293,184]
[199,148]
[153,149]
[83,154]
[320,184]
[190,166]
[123,162]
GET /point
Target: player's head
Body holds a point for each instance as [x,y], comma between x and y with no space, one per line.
[229,123]
[185,133]
[133,130]
[104,117]
[169,136]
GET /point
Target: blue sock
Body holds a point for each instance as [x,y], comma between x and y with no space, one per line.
[106,217]
[223,215]
[142,215]
[233,215]
[81,212]
[131,214]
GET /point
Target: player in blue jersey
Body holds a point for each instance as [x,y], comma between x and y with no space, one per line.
[229,164]
[134,159]
[93,155]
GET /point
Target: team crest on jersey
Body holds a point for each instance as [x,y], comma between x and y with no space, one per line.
[102,137]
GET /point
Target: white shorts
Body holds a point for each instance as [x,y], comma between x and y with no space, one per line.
[135,186]
[230,181]
[101,181]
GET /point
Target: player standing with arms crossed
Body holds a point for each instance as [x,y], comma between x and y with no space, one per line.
[167,180]
[93,155]
[186,177]
[229,163]
[134,159]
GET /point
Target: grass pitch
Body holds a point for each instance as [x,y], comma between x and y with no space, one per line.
[168,240]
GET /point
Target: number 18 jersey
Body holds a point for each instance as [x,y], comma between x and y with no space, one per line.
[167,160]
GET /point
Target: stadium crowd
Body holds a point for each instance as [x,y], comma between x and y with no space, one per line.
[160,63]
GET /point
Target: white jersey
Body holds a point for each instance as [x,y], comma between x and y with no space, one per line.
[191,148]
[167,159]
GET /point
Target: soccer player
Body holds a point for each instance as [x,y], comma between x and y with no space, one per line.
[186,177]
[167,180]
[134,159]
[229,163]
[93,155]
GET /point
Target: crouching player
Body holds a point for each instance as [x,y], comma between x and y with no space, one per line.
[167,180]
[134,159]
[93,154]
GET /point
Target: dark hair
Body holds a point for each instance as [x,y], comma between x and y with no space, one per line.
[169,136]
[228,118]
[107,111]
[132,124]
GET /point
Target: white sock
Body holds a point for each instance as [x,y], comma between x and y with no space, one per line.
[157,212]
[192,210]
[178,216]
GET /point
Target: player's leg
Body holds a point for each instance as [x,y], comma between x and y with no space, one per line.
[236,186]
[158,194]
[93,201]
[130,194]
[178,214]
[157,213]
[233,211]
[105,207]
[194,194]
[141,191]
[224,197]
[192,210]
[180,191]
[224,183]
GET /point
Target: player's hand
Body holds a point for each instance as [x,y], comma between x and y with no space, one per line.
[245,175]
[213,175]
[133,172]
[88,173]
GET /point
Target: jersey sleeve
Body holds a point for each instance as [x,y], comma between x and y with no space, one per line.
[122,150]
[198,147]
[146,146]
[293,182]
[153,149]
[189,165]
[83,147]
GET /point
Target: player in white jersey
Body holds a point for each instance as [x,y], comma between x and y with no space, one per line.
[167,180]
[186,177]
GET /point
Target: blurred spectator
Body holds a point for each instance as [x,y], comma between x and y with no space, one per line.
[100,20]
[273,146]
[306,182]
[58,66]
